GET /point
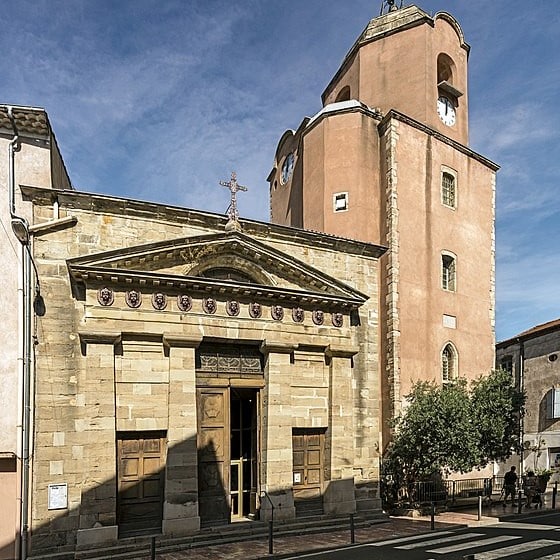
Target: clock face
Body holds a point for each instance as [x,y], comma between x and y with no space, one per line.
[446,110]
[287,168]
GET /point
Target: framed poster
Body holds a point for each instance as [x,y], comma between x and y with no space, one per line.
[58,496]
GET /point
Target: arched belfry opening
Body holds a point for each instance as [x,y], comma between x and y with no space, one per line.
[445,69]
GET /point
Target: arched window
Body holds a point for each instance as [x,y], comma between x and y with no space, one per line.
[448,190]
[449,370]
[445,69]
[343,94]
[223,273]
[448,272]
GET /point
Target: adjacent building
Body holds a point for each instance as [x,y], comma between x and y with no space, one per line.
[533,358]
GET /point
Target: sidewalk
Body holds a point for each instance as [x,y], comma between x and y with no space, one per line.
[393,527]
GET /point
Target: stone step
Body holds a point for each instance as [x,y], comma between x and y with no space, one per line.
[139,547]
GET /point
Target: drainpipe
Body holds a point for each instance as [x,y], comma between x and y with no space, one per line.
[20,228]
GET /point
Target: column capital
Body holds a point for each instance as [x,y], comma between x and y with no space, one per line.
[181,341]
[277,347]
[333,351]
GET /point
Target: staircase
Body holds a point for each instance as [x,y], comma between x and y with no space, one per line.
[139,547]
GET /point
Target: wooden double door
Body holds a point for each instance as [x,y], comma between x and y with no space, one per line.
[308,446]
[141,477]
[227,453]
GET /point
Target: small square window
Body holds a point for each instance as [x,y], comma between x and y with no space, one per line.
[450,321]
[340,202]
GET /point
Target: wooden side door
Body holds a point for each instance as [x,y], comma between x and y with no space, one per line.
[308,465]
[141,476]
[213,455]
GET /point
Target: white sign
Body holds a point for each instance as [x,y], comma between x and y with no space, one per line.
[297,478]
[58,496]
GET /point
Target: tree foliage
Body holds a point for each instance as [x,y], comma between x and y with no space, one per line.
[455,428]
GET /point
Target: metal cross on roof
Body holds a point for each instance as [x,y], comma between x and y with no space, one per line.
[234,188]
[390,4]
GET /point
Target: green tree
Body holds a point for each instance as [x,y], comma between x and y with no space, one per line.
[497,407]
[454,428]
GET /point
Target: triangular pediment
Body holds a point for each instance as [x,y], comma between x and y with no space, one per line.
[184,263]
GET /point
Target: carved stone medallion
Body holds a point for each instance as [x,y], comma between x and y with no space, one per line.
[105,296]
[184,302]
[337,319]
[159,301]
[209,305]
[232,308]
[133,298]
[255,310]
[318,317]
[298,314]
[277,312]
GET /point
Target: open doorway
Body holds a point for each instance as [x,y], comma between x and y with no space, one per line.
[243,452]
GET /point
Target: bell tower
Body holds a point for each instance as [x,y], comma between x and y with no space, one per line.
[386,160]
[413,63]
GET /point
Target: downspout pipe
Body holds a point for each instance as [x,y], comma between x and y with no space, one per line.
[20,227]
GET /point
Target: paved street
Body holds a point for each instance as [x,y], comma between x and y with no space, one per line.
[536,538]
[530,536]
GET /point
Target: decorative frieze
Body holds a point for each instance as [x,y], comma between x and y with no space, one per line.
[233,308]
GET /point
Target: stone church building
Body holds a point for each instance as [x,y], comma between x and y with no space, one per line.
[176,368]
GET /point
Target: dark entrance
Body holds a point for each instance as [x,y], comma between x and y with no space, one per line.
[243,452]
[227,453]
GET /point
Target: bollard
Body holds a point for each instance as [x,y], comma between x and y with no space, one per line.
[519,502]
[554,492]
[479,508]
[270,543]
[432,516]
[352,535]
[153,549]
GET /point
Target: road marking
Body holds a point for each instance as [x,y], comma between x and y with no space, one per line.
[413,538]
[507,551]
[551,557]
[473,544]
[531,526]
[440,541]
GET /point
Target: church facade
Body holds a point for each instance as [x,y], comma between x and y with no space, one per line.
[191,369]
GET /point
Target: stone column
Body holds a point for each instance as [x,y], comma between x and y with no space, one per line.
[276,453]
[94,450]
[180,509]
[339,497]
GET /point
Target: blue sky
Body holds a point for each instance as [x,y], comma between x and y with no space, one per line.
[161,99]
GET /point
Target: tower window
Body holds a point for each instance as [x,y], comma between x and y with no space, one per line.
[340,202]
[448,190]
[448,364]
[343,94]
[448,272]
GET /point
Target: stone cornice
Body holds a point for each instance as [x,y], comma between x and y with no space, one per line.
[101,203]
[393,114]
